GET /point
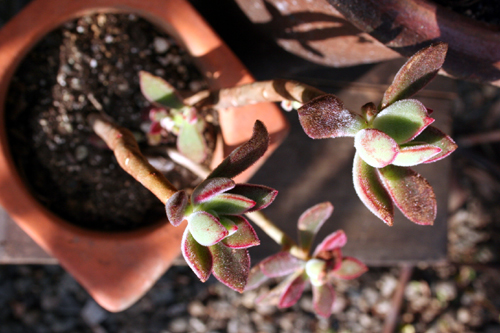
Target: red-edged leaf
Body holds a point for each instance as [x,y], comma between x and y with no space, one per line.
[205,228]
[323,298]
[280,264]
[198,257]
[228,204]
[326,117]
[155,128]
[244,238]
[419,70]
[370,190]
[375,147]
[157,90]
[228,224]
[433,136]
[350,268]
[209,188]
[292,292]
[262,195]
[403,120]
[176,207]
[245,155]
[333,241]
[415,153]
[411,193]
[230,266]
[256,278]
[191,142]
[316,271]
[311,221]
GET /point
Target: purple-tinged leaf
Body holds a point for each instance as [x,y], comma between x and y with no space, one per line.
[350,268]
[157,90]
[256,278]
[403,120]
[206,229]
[155,128]
[262,195]
[316,271]
[293,290]
[323,298]
[326,117]
[375,147]
[415,153]
[198,257]
[229,225]
[176,207]
[244,238]
[281,264]
[211,187]
[191,143]
[311,221]
[419,70]
[228,204]
[370,190]
[245,155]
[411,193]
[331,242]
[433,136]
[230,266]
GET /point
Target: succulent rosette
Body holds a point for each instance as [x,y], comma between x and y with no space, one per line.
[217,235]
[389,139]
[319,269]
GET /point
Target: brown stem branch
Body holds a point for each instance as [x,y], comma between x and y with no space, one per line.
[130,158]
[252,93]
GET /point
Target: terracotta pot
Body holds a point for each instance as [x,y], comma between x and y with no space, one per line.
[118,268]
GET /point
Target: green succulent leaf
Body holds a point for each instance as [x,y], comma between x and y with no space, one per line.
[198,257]
[228,204]
[411,193]
[415,153]
[206,229]
[331,242]
[316,271]
[371,191]
[326,117]
[191,142]
[311,221]
[210,188]
[176,207]
[323,298]
[403,120]
[228,223]
[262,195]
[293,290]
[230,266]
[435,137]
[245,155]
[256,278]
[375,147]
[350,268]
[416,73]
[244,238]
[157,90]
[280,264]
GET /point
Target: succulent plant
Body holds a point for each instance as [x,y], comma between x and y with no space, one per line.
[217,236]
[170,114]
[389,139]
[319,269]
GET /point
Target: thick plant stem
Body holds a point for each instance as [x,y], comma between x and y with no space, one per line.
[130,158]
[252,93]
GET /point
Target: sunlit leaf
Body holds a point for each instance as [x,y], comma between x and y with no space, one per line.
[375,147]
[435,137]
[316,271]
[333,241]
[211,187]
[350,268]
[191,143]
[157,90]
[419,70]
[281,264]
[262,195]
[371,191]
[326,117]
[411,193]
[403,120]
[415,153]
[244,238]
[205,228]
[323,298]
[311,221]
[230,266]
[176,207]
[245,155]
[198,257]
[228,204]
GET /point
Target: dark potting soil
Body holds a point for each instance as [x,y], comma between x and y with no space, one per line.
[487,11]
[88,65]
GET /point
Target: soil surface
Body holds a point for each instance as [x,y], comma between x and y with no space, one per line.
[91,65]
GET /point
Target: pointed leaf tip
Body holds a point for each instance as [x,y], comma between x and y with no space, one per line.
[311,221]
[415,154]
[350,268]
[262,195]
[244,237]
[433,136]
[176,207]
[210,188]
[245,155]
